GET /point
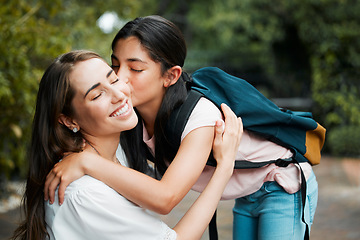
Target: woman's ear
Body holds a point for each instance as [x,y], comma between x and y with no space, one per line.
[69,123]
[173,75]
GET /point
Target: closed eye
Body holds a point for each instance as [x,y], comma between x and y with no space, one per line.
[97,96]
[136,70]
[115,81]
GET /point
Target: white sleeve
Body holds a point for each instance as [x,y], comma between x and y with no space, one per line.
[204,114]
[92,210]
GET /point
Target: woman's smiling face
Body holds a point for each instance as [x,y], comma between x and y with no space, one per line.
[102,103]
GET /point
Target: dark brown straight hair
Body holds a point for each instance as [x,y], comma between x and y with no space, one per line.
[166,45]
[50,139]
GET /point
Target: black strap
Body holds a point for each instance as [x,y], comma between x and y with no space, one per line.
[213,234]
[180,116]
[303,200]
[242,164]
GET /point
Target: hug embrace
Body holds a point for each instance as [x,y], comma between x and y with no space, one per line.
[89,176]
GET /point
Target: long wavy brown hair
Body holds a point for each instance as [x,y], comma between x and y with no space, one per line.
[50,139]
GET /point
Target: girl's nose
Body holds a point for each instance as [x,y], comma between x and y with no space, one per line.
[121,73]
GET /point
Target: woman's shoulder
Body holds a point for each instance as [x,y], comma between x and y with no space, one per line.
[91,187]
[83,183]
[91,203]
[88,191]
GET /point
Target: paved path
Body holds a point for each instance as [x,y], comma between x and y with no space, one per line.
[338,213]
[337,216]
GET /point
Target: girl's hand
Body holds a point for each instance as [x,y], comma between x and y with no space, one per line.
[63,173]
[227,138]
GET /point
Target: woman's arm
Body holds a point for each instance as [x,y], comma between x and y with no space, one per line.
[197,218]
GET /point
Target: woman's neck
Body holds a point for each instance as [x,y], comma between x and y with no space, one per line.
[104,146]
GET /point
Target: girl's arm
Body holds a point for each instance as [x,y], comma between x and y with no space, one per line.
[159,196]
[197,218]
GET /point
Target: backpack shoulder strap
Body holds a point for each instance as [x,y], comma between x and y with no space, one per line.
[180,116]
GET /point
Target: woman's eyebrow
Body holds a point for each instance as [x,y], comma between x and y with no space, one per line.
[109,73]
[93,87]
[97,84]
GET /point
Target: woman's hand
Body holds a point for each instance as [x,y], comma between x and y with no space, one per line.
[227,138]
[63,173]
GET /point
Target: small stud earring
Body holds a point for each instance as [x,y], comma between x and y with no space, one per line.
[75,130]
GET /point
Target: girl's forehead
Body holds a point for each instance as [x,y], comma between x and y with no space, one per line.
[131,45]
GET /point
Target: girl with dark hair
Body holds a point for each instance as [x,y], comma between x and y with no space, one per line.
[148,54]
[81,98]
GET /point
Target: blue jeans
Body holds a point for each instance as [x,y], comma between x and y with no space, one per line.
[271,213]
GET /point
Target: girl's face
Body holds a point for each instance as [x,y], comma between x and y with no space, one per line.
[133,65]
[102,104]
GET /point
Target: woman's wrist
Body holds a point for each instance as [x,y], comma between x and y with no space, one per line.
[225,167]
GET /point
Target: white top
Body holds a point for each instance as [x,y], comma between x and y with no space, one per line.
[252,148]
[93,210]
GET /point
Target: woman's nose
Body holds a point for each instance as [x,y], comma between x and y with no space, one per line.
[117,95]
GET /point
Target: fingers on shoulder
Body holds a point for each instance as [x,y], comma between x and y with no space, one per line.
[219,126]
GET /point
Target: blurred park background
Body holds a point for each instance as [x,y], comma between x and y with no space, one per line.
[302,54]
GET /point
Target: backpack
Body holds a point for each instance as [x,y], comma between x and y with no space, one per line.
[297,131]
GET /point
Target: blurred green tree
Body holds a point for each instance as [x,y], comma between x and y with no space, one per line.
[33,33]
[300,48]
[29,40]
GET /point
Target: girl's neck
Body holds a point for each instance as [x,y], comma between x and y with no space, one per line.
[148,112]
[148,116]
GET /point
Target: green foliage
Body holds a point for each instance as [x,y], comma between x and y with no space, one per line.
[33,33]
[345,141]
[258,38]
[303,48]
[336,64]
[26,48]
